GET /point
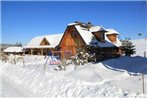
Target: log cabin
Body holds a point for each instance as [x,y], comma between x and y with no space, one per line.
[42,45]
[79,35]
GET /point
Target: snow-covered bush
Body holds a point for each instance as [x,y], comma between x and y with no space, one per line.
[81,57]
[96,54]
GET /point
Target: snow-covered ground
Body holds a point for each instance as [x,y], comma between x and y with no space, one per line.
[141,46]
[111,78]
[115,78]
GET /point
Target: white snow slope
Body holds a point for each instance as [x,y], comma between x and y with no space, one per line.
[115,78]
[141,46]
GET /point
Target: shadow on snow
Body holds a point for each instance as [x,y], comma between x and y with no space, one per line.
[131,64]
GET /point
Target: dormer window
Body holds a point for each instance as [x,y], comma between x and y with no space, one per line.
[112,37]
[100,36]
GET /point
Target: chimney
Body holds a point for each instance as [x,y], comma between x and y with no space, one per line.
[89,23]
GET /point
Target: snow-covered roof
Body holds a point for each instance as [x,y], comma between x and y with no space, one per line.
[35,42]
[72,24]
[52,39]
[13,49]
[85,33]
[87,36]
[111,31]
[107,43]
[96,28]
[117,44]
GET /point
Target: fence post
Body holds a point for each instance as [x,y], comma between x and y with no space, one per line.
[145,54]
[143,83]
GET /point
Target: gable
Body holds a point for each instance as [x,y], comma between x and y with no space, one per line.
[112,37]
[44,42]
[100,36]
[71,37]
[35,42]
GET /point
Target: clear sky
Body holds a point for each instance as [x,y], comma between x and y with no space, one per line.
[21,21]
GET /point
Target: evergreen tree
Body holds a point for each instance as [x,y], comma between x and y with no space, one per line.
[82,56]
[94,50]
[18,44]
[128,47]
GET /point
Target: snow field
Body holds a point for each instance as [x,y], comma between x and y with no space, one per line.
[141,47]
[59,86]
[91,80]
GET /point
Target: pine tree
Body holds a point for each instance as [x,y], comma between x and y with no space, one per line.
[128,47]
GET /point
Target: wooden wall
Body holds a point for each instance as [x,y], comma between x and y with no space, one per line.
[99,36]
[112,37]
[71,41]
[39,51]
[44,42]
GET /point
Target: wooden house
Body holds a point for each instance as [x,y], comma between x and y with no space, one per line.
[42,45]
[78,35]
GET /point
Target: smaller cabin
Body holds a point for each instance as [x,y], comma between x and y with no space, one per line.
[13,50]
[42,45]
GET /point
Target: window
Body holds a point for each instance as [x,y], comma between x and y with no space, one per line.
[73,34]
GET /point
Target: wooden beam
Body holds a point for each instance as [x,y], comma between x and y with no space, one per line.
[41,51]
[31,51]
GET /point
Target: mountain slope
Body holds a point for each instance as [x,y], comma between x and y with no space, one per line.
[141,46]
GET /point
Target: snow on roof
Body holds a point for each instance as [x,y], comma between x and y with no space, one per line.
[118,43]
[85,33]
[111,31]
[87,36]
[72,24]
[13,49]
[107,43]
[35,42]
[97,28]
[52,39]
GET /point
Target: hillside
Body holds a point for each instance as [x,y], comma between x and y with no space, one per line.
[141,47]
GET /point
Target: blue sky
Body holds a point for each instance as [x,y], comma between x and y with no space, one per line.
[21,21]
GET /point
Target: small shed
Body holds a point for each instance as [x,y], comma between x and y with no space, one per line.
[13,50]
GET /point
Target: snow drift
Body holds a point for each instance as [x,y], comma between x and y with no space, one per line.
[91,80]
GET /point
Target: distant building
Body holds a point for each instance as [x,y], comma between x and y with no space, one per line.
[13,50]
[4,46]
